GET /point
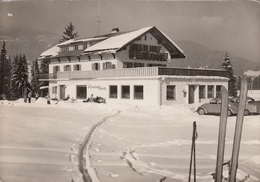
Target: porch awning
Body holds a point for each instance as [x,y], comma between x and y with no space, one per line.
[44,87]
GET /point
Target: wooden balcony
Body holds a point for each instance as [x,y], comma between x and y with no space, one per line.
[134,72]
[152,56]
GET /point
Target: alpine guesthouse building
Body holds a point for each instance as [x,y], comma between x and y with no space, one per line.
[128,67]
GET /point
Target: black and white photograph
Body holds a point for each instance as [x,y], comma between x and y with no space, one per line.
[129,91]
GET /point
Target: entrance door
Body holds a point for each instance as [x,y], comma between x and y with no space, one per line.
[62,92]
[191,94]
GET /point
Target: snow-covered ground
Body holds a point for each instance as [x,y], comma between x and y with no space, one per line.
[39,142]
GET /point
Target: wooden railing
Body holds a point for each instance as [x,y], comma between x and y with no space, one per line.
[191,72]
[127,72]
[135,72]
[148,56]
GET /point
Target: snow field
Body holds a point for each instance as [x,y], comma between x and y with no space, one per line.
[139,144]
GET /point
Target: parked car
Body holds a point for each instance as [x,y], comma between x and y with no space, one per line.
[214,106]
[252,106]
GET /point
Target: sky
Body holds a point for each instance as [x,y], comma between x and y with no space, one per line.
[232,26]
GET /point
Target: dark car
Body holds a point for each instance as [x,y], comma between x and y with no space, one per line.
[214,106]
[252,106]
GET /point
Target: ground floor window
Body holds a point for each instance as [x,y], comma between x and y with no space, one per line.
[210,91]
[218,91]
[171,92]
[138,92]
[125,92]
[202,91]
[81,92]
[54,90]
[112,91]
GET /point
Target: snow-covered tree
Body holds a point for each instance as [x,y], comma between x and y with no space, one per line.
[35,76]
[19,77]
[44,66]
[69,33]
[44,69]
[3,63]
[226,64]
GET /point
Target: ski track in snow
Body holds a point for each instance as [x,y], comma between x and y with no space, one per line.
[143,168]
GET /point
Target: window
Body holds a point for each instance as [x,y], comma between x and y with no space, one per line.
[64,49]
[145,48]
[136,65]
[54,90]
[170,95]
[126,92]
[77,67]
[81,92]
[76,47]
[56,69]
[112,91]
[67,68]
[138,92]
[218,91]
[128,65]
[95,66]
[136,47]
[202,91]
[154,48]
[210,91]
[107,65]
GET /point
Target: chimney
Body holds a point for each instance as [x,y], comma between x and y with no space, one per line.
[115,30]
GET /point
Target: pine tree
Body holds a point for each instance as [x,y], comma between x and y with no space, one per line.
[7,78]
[19,77]
[44,66]
[69,33]
[226,64]
[44,69]
[3,72]
[35,77]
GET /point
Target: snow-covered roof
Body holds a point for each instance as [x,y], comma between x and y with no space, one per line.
[115,42]
[118,41]
[252,73]
[50,52]
[74,41]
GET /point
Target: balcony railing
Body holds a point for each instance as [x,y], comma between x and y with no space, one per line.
[192,72]
[134,72]
[148,56]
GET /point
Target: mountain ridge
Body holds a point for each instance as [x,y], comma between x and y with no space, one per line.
[199,56]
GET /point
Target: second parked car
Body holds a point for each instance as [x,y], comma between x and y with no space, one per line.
[213,107]
[252,106]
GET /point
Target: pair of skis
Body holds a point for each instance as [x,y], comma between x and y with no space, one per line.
[233,163]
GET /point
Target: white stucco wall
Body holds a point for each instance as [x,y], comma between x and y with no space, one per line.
[154,89]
